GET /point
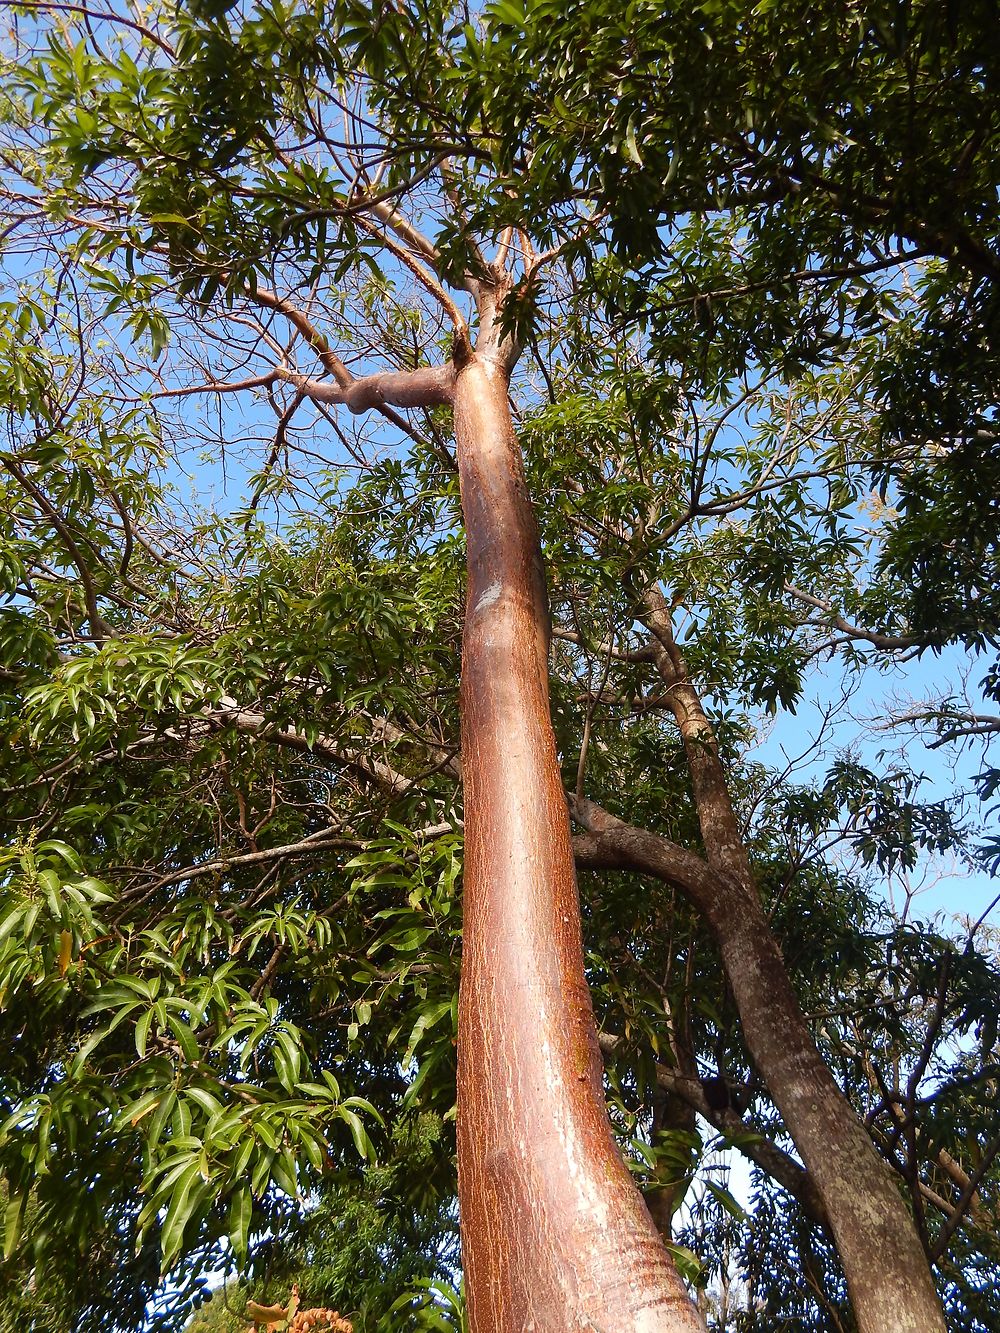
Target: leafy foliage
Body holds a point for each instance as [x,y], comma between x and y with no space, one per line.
[756,292]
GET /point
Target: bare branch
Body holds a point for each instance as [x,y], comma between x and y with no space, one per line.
[104,15]
[309,846]
[222,386]
[604,648]
[322,841]
[965,725]
[427,386]
[98,624]
[425,278]
[332,364]
[353,755]
[965,1198]
[887,642]
[392,218]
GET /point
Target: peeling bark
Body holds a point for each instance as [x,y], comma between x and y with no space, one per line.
[555,1236]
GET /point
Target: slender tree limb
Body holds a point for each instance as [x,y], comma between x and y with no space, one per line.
[381,206]
[948,242]
[331,363]
[314,843]
[99,626]
[720,829]
[778,1164]
[980,1215]
[385,210]
[355,756]
[310,846]
[103,15]
[299,320]
[428,386]
[605,648]
[965,725]
[222,386]
[965,1199]
[426,279]
[888,642]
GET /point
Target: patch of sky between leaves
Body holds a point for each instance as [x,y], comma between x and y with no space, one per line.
[829,722]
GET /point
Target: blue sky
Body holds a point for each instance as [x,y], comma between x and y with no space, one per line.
[861,725]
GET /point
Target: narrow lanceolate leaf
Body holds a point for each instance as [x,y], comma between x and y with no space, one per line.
[359,1134]
[12,1221]
[187,1194]
[65,951]
[240,1213]
[427,1019]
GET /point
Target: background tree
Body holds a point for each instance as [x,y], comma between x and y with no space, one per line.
[248,729]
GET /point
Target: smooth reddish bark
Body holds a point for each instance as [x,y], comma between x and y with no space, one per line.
[554,1234]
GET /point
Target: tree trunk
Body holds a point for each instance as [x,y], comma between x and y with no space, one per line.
[887,1271]
[554,1234]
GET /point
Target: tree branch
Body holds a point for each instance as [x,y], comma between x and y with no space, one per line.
[104,15]
[965,1199]
[778,1164]
[428,386]
[386,777]
[332,363]
[425,278]
[605,648]
[887,642]
[612,844]
[222,386]
[309,846]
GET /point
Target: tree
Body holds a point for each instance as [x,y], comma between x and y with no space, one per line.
[234,698]
[826,161]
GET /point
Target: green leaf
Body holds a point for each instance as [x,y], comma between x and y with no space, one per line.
[205,1100]
[158,219]
[726,1199]
[186,1195]
[359,1134]
[142,1032]
[631,144]
[12,1221]
[240,1214]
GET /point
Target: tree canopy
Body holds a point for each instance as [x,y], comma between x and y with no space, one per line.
[740,265]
